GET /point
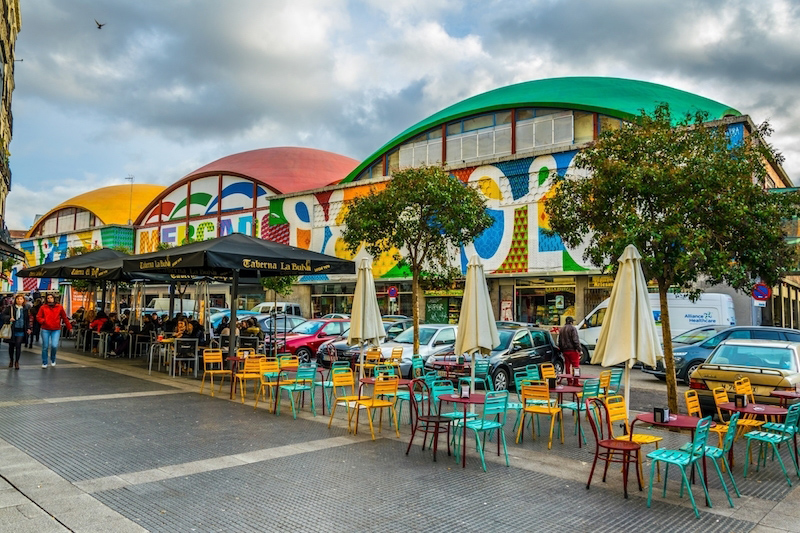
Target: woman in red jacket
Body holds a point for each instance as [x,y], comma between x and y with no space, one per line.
[51,315]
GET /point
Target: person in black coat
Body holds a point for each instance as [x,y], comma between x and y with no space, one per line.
[21,320]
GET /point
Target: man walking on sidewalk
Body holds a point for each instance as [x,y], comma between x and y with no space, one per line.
[50,316]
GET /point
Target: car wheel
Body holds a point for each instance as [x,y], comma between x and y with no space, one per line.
[558,364]
[500,380]
[585,359]
[691,368]
[304,354]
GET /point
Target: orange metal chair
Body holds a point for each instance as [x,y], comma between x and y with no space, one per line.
[605,382]
[384,395]
[396,357]
[745,424]
[547,371]
[693,409]
[536,400]
[372,358]
[213,366]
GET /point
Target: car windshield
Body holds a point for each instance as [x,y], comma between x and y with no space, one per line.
[505,339]
[308,328]
[777,357]
[407,337]
[696,335]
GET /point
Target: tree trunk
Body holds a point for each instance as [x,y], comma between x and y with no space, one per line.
[415,305]
[669,362]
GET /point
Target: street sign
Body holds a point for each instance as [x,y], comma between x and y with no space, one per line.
[392,292]
[761,292]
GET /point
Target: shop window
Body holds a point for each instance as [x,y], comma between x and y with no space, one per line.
[584,126]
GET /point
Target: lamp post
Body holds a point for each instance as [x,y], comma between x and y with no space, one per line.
[129,177]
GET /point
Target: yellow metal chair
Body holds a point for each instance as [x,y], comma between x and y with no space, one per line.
[250,372]
[547,371]
[605,383]
[617,412]
[693,409]
[743,386]
[288,361]
[372,358]
[536,400]
[213,366]
[344,392]
[384,394]
[269,371]
[396,357]
[745,424]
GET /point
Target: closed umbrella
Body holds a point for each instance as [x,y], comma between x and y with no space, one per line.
[628,334]
[477,330]
[366,325]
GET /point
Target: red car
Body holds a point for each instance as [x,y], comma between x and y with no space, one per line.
[304,339]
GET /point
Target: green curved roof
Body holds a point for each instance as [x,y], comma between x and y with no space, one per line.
[616,97]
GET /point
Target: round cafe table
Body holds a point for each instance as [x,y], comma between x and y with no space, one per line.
[561,390]
[472,399]
[785,396]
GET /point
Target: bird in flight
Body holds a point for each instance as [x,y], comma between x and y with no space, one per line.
[99,26]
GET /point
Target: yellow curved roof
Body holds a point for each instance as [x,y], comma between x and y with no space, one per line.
[112,205]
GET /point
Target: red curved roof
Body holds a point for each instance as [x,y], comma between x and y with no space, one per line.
[285,169]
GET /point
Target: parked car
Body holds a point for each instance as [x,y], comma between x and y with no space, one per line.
[518,347]
[339,349]
[281,323]
[689,357]
[281,307]
[394,317]
[216,318]
[304,339]
[769,364]
[336,315]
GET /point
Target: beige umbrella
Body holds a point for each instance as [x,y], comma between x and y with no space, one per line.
[477,331]
[628,333]
[366,325]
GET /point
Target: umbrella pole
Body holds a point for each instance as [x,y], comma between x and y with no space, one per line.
[361,361]
[627,392]
[234,303]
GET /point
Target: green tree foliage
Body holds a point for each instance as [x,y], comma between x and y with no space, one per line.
[691,198]
[279,285]
[426,214]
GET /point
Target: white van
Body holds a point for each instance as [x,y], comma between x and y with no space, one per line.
[290,308]
[684,314]
[161,305]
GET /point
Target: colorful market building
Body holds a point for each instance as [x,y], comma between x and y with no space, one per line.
[511,143]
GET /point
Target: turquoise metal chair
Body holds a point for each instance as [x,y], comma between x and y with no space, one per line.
[715,454]
[417,367]
[492,419]
[616,381]
[533,372]
[683,459]
[481,374]
[591,389]
[303,382]
[403,396]
[773,438]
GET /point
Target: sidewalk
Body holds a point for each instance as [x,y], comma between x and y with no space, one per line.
[98,445]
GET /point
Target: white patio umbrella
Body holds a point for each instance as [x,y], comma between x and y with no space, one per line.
[366,325]
[628,333]
[477,330]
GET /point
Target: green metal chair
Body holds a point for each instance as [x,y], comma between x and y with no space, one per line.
[533,372]
[683,460]
[417,367]
[481,374]
[773,438]
[492,419]
[616,381]
[303,382]
[591,389]
[715,454]
[403,396]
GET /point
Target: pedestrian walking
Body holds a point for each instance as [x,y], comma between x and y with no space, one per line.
[21,320]
[50,317]
[570,345]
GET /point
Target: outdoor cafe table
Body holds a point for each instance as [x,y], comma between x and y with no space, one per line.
[785,396]
[561,390]
[675,422]
[756,409]
[451,368]
[580,378]
[472,399]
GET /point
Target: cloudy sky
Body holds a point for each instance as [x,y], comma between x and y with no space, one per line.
[166,87]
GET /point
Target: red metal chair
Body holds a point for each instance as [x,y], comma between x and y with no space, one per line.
[607,448]
[424,417]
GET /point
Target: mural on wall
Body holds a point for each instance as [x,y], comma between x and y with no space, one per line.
[41,250]
[515,193]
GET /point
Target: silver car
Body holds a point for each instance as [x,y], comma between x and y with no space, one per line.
[433,338]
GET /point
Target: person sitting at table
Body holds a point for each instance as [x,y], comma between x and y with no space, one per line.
[180,328]
[222,325]
[198,332]
[252,329]
[117,341]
